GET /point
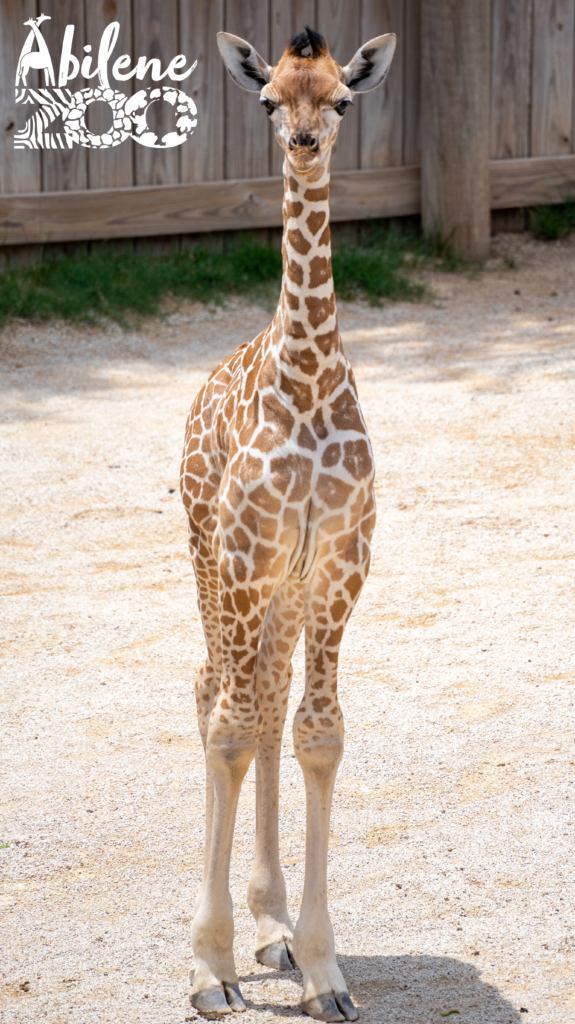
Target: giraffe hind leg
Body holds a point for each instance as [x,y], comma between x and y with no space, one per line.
[207,682]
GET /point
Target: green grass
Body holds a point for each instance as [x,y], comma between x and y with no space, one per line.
[376,268]
[552,222]
[124,285]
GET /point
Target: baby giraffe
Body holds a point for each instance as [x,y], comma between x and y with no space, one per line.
[277,480]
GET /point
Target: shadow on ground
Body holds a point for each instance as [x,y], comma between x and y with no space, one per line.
[41,360]
[410,990]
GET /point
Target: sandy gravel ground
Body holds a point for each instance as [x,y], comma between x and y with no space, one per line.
[451,862]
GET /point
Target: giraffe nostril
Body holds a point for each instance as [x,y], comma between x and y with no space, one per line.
[303,139]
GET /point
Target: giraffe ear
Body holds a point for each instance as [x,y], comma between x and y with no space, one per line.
[369,66]
[244,64]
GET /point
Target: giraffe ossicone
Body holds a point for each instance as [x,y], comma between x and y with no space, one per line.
[277,480]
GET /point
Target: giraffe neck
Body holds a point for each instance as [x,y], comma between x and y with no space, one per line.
[306,318]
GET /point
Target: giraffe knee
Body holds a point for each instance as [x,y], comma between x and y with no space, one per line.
[318,744]
[229,754]
[233,739]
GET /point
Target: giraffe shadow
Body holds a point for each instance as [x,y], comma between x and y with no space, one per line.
[406,989]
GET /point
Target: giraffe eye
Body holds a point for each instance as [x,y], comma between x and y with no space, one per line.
[269,107]
[342,107]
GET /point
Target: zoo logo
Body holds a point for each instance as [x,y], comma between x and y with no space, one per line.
[129,113]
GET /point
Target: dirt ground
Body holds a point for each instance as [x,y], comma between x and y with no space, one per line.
[451,858]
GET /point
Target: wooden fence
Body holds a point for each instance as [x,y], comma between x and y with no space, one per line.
[227,175]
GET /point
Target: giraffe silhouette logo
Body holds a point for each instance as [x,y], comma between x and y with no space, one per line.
[37,60]
[129,113]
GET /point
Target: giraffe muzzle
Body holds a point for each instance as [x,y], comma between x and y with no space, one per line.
[304,140]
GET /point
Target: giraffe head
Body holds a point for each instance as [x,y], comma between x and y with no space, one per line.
[306,96]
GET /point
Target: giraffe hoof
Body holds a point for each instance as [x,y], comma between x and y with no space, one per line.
[276,955]
[322,1008]
[234,997]
[345,1005]
[214,1002]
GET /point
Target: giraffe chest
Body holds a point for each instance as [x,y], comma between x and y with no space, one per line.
[294,484]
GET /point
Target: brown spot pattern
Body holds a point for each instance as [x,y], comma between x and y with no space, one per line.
[305,438]
[315,221]
[295,471]
[295,272]
[299,392]
[345,414]
[326,237]
[357,459]
[316,195]
[295,329]
[329,380]
[331,455]
[293,209]
[319,425]
[333,491]
[319,309]
[319,271]
[298,242]
[328,342]
[305,360]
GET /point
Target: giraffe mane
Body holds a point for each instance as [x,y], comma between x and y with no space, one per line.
[309,37]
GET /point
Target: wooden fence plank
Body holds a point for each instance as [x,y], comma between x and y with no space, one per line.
[552,82]
[511,27]
[455,45]
[339,22]
[381,111]
[203,155]
[412,82]
[155,34]
[19,169]
[64,168]
[247,131]
[109,168]
[201,206]
[286,21]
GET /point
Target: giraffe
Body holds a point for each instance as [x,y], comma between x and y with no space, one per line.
[277,480]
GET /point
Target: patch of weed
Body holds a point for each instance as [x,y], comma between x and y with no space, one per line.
[120,283]
[375,268]
[553,222]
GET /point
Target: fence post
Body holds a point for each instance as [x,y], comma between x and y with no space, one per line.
[455,73]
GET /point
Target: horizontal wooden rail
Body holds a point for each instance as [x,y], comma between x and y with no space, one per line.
[254,202]
[201,206]
[533,180]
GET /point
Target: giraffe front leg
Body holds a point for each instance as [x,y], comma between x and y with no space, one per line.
[232,737]
[266,890]
[318,741]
